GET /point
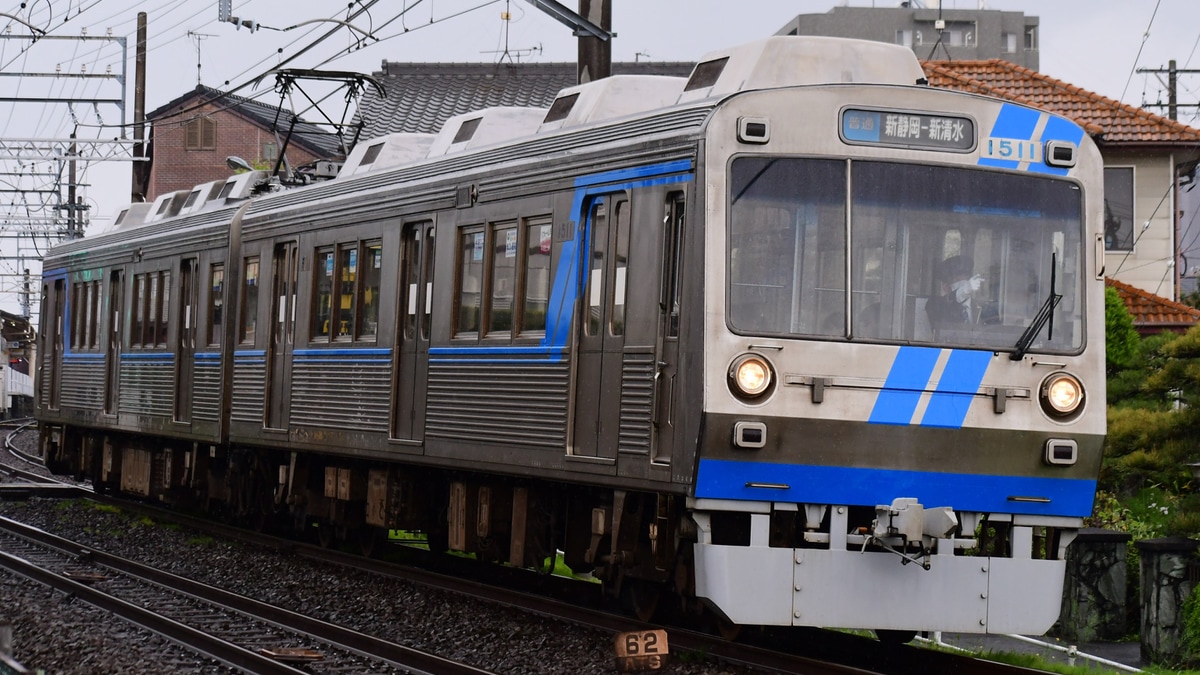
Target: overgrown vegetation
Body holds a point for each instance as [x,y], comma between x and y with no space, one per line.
[1147,488]
[1146,482]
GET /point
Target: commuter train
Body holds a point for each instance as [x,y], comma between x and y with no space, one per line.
[797,340]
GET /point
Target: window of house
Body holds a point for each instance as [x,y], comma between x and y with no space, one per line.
[249,301]
[216,304]
[904,37]
[1118,208]
[1031,39]
[200,134]
[1008,43]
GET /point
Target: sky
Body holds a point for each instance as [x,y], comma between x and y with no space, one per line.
[1095,44]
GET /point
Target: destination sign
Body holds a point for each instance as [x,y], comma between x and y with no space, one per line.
[908,130]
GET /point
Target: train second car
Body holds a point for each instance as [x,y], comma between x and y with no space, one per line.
[797,341]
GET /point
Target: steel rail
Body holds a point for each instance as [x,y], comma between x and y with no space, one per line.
[365,645]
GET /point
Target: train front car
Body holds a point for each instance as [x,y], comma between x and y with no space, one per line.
[904,389]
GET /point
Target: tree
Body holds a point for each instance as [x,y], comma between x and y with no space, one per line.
[1120,337]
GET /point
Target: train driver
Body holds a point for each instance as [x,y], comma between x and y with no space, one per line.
[959,301]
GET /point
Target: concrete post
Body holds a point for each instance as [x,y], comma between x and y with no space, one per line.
[1094,606]
[1167,568]
[6,637]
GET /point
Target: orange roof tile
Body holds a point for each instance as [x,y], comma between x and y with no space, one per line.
[1152,313]
[1106,120]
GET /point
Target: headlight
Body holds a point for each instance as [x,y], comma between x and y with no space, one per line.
[1062,394]
[750,376]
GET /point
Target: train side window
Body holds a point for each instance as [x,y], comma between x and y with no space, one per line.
[249,302]
[410,280]
[151,303]
[150,325]
[594,292]
[428,276]
[616,325]
[502,277]
[76,305]
[138,316]
[347,306]
[674,264]
[323,295]
[163,310]
[535,275]
[93,323]
[216,304]
[372,271]
[470,281]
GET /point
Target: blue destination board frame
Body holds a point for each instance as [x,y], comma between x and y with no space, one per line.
[905,129]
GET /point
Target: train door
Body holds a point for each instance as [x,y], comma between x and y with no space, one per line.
[282,338]
[667,342]
[601,327]
[55,343]
[412,338]
[185,357]
[112,348]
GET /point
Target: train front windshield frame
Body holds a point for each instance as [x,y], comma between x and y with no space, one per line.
[938,255]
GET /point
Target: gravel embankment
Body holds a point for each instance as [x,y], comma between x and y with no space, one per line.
[64,636]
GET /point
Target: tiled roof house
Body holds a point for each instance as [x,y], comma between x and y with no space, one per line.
[1144,157]
[422,96]
[192,135]
[1153,314]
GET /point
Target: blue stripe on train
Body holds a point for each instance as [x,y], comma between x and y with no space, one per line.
[565,289]
[1020,123]
[851,486]
[909,378]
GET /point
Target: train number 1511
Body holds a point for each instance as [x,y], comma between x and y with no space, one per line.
[1012,149]
[641,650]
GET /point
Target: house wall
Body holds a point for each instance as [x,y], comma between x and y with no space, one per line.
[987,28]
[1148,266]
[176,168]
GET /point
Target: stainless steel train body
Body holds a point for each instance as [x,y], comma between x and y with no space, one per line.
[800,340]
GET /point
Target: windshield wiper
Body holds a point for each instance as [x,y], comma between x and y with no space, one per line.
[1045,314]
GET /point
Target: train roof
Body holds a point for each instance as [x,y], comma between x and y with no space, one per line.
[662,104]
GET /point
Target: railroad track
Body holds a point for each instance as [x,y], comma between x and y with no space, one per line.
[37,473]
[774,650]
[236,630]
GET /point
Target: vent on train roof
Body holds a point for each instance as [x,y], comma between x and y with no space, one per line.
[485,127]
[706,74]
[610,98]
[786,61]
[382,153]
[133,215]
[167,206]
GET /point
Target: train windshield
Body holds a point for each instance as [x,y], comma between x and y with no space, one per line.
[890,252]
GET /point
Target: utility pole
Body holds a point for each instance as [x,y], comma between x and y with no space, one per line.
[595,55]
[593,27]
[141,170]
[1172,105]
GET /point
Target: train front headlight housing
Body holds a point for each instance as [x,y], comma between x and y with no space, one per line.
[750,376]
[1061,394]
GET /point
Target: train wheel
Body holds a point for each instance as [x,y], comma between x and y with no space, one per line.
[371,541]
[326,535]
[643,597]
